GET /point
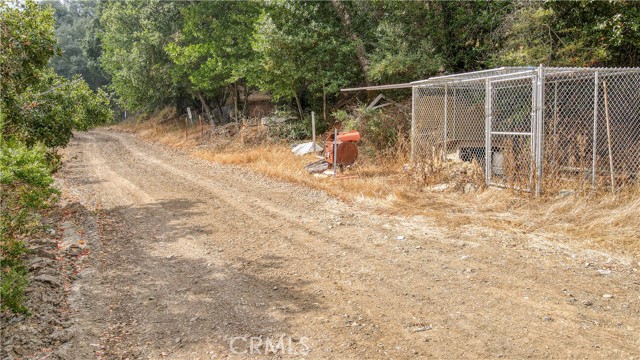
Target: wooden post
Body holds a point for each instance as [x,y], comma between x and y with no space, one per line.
[201,125]
[606,115]
[190,116]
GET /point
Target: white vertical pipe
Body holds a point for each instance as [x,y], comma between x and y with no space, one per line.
[532,129]
[413,123]
[487,131]
[595,131]
[555,108]
[453,123]
[335,151]
[539,128]
[446,114]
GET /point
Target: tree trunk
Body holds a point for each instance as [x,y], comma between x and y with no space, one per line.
[235,101]
[245,101]
[299,106]
[342,12]
[324,103]
[206,108]
[219,107]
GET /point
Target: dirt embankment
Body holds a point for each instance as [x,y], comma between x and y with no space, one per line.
[57,259]
[198,260]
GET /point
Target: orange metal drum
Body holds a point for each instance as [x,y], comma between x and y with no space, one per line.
[352,135]
[347,149]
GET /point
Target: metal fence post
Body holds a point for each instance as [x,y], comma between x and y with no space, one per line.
[532,131]
[335,151]
[487,131]
[453,123]
[595,131]
[539,128]
[555,109]
[446,114]
[413,123]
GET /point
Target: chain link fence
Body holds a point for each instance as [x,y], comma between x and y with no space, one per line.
[534,129]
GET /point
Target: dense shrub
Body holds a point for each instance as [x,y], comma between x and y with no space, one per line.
[297,129]
[26,187]
[38,112]
[383,133]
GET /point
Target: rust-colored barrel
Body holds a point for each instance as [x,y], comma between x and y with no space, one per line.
[347,152]
[353,135]
[349,136]
[347,149]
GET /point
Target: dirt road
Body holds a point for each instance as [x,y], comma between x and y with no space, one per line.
[202,261]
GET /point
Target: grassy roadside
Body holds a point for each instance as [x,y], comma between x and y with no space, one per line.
[601,223]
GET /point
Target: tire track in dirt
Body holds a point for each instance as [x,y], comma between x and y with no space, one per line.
[351,291]
[268,208]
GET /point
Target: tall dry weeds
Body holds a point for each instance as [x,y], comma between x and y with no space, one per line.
[601,221]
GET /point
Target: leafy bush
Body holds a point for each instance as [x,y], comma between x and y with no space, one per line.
[54,107]
[26,186]
[297,129]
[12,286]
[25,181]
[383,132]
[38,112]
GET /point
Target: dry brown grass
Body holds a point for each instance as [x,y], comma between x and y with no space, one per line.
[600,222]
[277,161]
[604,222]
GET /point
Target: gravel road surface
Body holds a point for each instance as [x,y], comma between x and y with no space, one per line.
[196,260]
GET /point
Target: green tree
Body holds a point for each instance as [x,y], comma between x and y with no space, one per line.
[399,41]
[580,33]
[54,107]
[213,49]
[133,40]
[27,44]
[74,21]
[39,109]
[302,52]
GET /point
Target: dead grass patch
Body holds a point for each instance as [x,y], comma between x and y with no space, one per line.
[601,222]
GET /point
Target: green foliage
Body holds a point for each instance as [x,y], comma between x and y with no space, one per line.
[528,39]
[304,52]
[133,41]
[301,49]
[38,105]
[25,180]
[28,41]
[580,33]
[74,31]
[54,107]
[26,187]
[295,130]
[213,33]
[38,112]
[13,283]
[399,59]
[380,131]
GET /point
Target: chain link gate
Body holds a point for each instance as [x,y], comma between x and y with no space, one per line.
[511,124]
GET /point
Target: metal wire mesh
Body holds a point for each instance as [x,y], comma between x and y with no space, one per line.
[535,129]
